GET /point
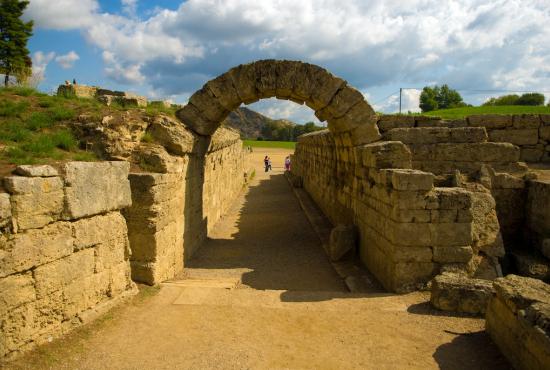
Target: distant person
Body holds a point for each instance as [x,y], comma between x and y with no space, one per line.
[74,81]
[67,83]
[266,163]
[287,163]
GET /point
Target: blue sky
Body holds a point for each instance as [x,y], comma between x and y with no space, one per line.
[167,49]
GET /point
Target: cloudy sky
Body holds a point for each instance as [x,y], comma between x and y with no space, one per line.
[167,49]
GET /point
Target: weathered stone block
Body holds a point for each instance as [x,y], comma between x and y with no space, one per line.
[16,290]
[193,118]
[452,254]
[453,198]
[417,135]
[36,201]
[55,275]
[468,135]
[173,136]
[36,171]
[490,121]
[390,154]
[100,229]
[35,247]
[5,209]
[205,101]
[390,121]
[407,179]
[94,188]
[516,136]
[458,293]
[452,234]
[154,158]
[526,121]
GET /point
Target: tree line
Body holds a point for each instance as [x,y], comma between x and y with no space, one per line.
[443,97]
[286,132]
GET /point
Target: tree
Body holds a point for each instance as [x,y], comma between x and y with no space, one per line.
[14,34]
[531,99]
[503,100]
[437,97]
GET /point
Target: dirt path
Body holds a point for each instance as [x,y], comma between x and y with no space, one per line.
[261,294]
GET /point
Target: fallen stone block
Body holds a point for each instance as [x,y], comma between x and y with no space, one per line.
[36,171]
[458,293]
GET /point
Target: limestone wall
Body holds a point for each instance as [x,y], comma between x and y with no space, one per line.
[538,215]
[192,181]
[530,132]
[64,250]
[518,319]
[409,229]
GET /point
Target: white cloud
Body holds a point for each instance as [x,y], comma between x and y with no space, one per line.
[40,61]
[62,14]
[284,109]
[410,99]
[67,61]
[129,7]
[466,43]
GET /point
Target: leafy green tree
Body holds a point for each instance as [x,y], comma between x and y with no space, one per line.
[428,101]
[14,34]
[439,97]
[503,100]
[531,99]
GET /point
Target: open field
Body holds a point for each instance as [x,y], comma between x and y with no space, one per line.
[270,144]
[456,113]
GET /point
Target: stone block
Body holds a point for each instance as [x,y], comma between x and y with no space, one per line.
[468,135]
[458,293]
[5,209]
[451,234]
[452,254]
[205,101]
[544,133]
[222,88]
[154,158]
[390,154]
[89,232]
[526,121]
[36,171]
[387,122]
[409,276]
[420,135]
[343,239]
[413,180]
[94,188]
[490,121]
[177,139]
[35,247]
[55,275]
[359,115]
[16,290]
[453,198]
[193,118]
[36,201]
[411,254]
[516,136]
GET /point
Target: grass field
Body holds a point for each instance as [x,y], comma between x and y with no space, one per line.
[269,144]
[456,113]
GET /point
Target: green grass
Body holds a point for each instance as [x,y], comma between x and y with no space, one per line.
[147,138]
[269,144]
[457,113]
[10,108]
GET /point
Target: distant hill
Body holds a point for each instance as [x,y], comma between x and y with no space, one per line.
[252,124]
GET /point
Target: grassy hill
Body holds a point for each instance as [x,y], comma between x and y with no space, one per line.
[457,113]
[252,124]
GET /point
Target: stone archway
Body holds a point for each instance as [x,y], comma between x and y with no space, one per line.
[333,100]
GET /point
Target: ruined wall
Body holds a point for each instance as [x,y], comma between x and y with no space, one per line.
[191,183]
[529,132]
[64,251]
[538,215]
[409,229]
[518,319]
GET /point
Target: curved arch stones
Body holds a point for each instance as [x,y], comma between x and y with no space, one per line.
[343,107]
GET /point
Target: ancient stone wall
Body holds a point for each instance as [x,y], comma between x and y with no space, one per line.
[518,320]
[409,228]
[538,215]
[192,181]
[529,132]
[64,250]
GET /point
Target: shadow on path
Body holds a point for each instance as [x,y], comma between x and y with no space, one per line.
[267,240]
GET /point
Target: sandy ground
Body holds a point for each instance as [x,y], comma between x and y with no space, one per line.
[262,295]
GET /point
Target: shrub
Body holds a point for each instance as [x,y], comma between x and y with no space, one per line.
[61,113]
[531,99]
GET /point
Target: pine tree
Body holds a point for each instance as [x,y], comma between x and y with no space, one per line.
[14,33]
